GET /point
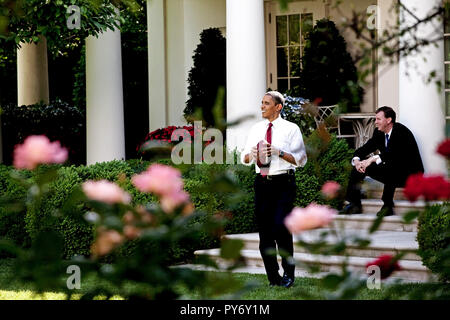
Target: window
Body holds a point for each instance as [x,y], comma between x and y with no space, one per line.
[286,30]
[291,31]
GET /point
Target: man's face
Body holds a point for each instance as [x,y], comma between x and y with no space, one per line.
[269,110]
[382,123]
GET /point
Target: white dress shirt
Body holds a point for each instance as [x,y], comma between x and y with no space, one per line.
[286,136]
[377,157]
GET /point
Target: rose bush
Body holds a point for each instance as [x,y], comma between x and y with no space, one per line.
[152,229]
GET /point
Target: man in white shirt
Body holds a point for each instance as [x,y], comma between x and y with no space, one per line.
[281,143]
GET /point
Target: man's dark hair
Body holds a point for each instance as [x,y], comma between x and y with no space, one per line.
[388,112]
[276,97]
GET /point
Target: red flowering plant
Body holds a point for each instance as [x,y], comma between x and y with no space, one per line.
[433,187]
[166,138]
[444,148]
[165,134]
[429,187]
[387,264]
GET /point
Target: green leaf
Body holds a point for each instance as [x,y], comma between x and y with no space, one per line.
[376,224]
[332,281]
[231,248]
[410,216]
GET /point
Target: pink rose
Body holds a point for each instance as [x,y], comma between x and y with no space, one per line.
[106,241]
[159,179]
[330,189]
[170,202]
[37,150]
[105,191]
[311,217]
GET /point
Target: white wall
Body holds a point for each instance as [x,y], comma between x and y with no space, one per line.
[185,20]
[388,72]
[200,15]
[345,11]
[421,104]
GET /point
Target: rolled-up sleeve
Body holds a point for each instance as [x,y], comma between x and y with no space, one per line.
[298,150]
[248,147]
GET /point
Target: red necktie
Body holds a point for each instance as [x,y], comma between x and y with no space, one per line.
[269,133]
[265,170]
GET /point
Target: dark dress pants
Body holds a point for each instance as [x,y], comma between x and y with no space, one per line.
[377,172]
[274,200]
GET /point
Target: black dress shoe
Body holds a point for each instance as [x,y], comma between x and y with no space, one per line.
[351,209]
[276,282]
[287,281]
[386,211]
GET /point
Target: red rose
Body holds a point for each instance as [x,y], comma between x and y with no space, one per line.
[387,265]
[430,187]
[413,187]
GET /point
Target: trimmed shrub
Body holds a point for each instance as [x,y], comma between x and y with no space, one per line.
[77,234]
[207,75]
[434,239]
[12,223]
[333,163]
[58,121]
[328,72]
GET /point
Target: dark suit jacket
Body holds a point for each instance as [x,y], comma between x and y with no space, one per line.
[402,157]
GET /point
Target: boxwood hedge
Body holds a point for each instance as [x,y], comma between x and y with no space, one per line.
[23,226]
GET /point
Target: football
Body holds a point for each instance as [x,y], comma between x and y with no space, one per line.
[263,160]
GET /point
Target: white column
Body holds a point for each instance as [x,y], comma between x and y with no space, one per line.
[32,73]
[104,98]
[157,84]
[388,86]
[246,66]
[421,105]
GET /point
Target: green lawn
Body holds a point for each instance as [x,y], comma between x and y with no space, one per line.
[257,289]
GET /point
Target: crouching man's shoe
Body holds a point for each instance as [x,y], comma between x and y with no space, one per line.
[386,211]
[287,281]
[351,208]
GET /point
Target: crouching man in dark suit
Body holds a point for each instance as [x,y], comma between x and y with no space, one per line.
[398,157]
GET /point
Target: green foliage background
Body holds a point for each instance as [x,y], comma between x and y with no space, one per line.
[328,71]
[77,234]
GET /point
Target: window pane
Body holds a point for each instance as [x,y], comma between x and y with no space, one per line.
[295,84]
[294,29]
[307,25]
[294,60]
[282,56]
[447,76]
[447,127]
[282,85]
[447,103]
[447,49]
[281,30]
